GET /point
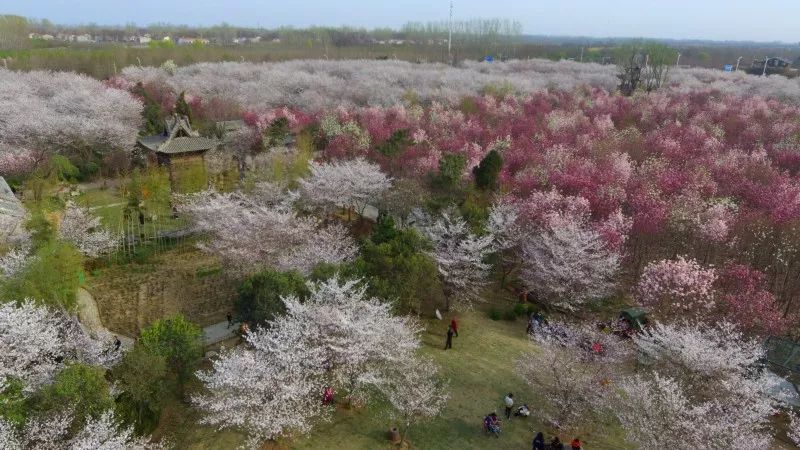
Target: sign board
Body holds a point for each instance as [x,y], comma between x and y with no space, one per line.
[728,67]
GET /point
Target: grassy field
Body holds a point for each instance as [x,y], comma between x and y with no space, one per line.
[480,368]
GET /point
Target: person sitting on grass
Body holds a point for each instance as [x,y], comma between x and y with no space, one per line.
[522,411]
[576,444]
[492,424]
[556,444]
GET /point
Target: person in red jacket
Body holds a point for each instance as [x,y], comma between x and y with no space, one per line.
[576,444]
[454,326]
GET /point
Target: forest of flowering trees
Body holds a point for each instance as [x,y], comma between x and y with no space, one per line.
[528,182]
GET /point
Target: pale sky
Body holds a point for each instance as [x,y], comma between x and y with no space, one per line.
[756,20]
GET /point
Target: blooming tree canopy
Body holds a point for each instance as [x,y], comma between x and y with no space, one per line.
[336,337]
[568,263]
[249,233]
[52,433]
[81,228]
[460,256]
[702,377]
[62,112]
[677,286]
[353,183]
[36,342]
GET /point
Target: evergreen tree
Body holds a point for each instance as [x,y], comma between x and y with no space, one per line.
[151,113]
[488,170]
[182,108]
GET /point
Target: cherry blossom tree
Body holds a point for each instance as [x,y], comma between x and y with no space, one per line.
[700,375]
[36,342]
[358,335]
[249,232]
[745,300]
[66,113]
[794,428]
[677,286]
[337,336]
[572,367]
[347,184]
[52,432]
[81,228]
[568,263]
[268,388]
[415,391]
[460,257]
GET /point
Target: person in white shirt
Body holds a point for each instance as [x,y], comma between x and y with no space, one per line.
[509,404]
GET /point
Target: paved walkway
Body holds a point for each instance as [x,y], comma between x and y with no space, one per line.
[219,332]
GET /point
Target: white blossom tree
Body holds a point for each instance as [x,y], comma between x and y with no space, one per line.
[274,385]
[36,342]
[51,432]
[507,234]
[568,263]
[416,392]
[252,232]
[794,428]
[460,257]
[81,228]
[346,184]
[572,368]
[701,376]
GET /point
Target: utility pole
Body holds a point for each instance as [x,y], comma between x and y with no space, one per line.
[450,36]
[678,62]
[581,54]
[737,63]
[764,73]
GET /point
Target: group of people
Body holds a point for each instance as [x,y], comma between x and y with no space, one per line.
[555,443]
[491,424]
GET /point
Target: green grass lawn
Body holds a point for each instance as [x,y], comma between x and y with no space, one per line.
[480,368]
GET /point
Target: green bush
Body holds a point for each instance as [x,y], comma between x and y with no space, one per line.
[259,299]
[451,167]
[520,310]
[51,277]
[495,314]
[488,170]
[13,402]
[80,387]
[510,315]
[178,341]
[142,377]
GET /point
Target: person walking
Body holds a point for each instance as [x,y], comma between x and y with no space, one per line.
[449,342]
[454,325]
[538,442]
[229,316]
[117,343]
[509,400]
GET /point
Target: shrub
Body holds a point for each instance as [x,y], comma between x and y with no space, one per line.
[495,314]
[260,295]
[178,341]
[510,315]
[520,309]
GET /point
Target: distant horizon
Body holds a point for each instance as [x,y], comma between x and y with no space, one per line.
[766,21]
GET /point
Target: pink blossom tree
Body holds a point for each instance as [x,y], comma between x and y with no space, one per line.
[745,300]
[677,287]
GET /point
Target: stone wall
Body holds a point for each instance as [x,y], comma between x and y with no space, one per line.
[187,281]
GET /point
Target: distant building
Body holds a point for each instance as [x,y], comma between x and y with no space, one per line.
[144,39]
[178,148]
[84,38]
[190,40]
